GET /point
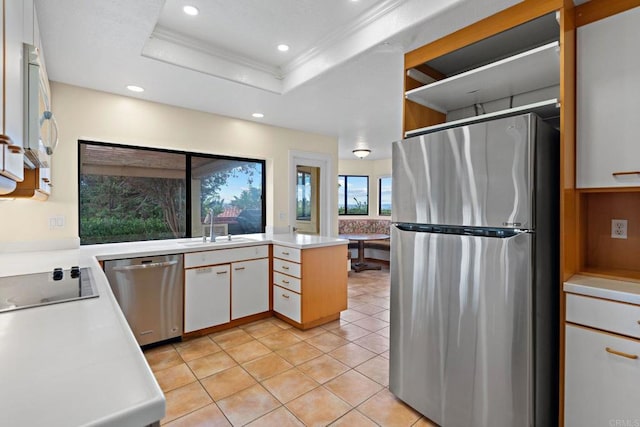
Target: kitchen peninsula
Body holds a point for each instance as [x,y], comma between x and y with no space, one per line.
[78,362]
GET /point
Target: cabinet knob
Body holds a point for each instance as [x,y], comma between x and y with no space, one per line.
[620,353]
[15,149]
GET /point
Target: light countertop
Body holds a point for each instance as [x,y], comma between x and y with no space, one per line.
[78,363]
[616,290]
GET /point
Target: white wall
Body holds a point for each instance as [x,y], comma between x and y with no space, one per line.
[374,169]
[97,116]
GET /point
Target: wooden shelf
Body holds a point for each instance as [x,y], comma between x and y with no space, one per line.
[545,109]
[534,69]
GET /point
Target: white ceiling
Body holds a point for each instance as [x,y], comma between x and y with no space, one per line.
[342,76]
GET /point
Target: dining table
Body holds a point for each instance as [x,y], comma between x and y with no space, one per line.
[361,238]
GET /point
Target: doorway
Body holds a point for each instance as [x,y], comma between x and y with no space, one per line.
[307,199]
[316,169]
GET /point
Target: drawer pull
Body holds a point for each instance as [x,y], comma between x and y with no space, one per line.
[284,267]
[619,353]
[285,253]
[221,272]
[239,268]
[626,173]
[287,297]
[286,282]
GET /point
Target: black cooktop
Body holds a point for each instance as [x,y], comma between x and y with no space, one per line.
[52,287]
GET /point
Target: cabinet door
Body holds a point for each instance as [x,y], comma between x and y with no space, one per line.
[608,99]
[601,387]
[249,287]
[206,297]
[287,303]
[14,89]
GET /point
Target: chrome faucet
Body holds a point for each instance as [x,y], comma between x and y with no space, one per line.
[208,219]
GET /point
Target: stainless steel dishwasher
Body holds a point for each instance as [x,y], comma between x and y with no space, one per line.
[149,291]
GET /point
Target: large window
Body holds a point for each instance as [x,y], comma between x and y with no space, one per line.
[130,193]
[353,195]
[384,196]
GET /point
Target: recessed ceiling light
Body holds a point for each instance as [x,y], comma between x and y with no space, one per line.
[283,47]
[134,88]
[258,115]
[190,10]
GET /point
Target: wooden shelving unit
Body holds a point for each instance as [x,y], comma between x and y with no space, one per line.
[545,109]
[534,69]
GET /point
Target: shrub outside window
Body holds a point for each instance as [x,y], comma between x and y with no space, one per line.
[353,195]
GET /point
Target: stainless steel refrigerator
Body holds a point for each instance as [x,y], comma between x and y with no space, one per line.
[474,274]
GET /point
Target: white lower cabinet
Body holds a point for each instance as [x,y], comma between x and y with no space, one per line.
[287,303]
[207,297]
[249,287]
[225,284]
[602,363]
[602,379]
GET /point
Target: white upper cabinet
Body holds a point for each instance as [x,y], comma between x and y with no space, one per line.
[608,101]
[12,166]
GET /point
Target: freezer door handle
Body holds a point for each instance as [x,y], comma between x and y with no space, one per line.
[460,230]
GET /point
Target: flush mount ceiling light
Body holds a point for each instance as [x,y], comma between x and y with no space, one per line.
[361,153]
[283,47]
[190,10]
[134,88]
[258,115]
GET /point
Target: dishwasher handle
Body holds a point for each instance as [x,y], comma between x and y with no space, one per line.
[144,266]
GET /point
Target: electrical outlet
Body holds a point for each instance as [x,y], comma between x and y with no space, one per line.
[618,228]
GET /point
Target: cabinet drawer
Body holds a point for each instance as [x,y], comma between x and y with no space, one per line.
[287,303]
[291,283]
[286,267]
[600,385]
[224,256]
[602,314]
[290,254]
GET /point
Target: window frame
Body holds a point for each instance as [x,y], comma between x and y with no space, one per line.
[346,186]
[305,175]
[187,158]
[380,195]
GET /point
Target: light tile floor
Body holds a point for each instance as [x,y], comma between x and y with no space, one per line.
[269,374]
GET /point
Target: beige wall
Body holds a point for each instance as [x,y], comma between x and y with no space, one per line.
[374,169]
[98,116]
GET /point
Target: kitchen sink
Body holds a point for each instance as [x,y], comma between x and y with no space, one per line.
[222,241]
